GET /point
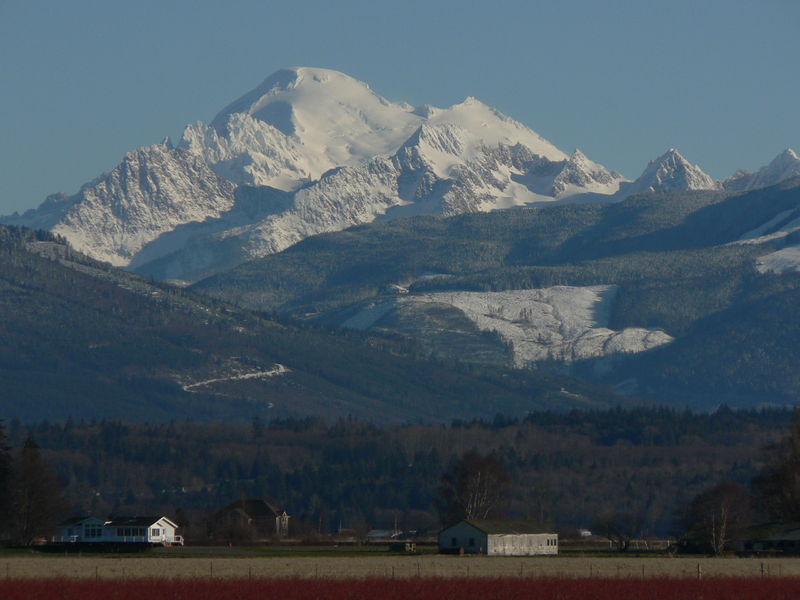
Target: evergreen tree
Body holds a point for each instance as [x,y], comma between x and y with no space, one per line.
[37,500]
[777,487]
[5,479]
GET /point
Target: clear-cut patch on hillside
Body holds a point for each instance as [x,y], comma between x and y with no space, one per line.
[560,323]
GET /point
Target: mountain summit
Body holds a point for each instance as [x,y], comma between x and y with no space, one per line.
[782,167]
[671,171]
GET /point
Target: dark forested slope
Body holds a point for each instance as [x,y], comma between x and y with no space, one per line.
[671,256]
[79,338]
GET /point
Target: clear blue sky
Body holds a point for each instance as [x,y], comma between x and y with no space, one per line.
[85,81]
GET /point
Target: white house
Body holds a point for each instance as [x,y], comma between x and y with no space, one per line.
[498,537]
[81,529]
[125,530]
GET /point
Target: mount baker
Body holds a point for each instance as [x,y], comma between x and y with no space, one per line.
[314,150]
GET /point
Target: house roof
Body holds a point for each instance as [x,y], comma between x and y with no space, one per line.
[76,520]
[775,531]
[135,521]
[255,507]
[507,526]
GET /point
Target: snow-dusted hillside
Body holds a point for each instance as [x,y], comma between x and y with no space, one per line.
[561,323]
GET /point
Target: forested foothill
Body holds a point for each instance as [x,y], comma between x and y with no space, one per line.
[639,470]
[80,338]
[675,258]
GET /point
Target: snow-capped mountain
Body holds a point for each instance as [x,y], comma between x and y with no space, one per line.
[782,167]
[670,171]
[343,154]
[314,150]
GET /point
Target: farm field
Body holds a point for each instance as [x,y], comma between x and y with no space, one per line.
[548,588]
[400,567]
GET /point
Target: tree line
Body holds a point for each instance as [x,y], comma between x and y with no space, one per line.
[605,470]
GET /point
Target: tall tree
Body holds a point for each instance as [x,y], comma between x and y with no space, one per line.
[476,487]
[5,480]
[718,516]
[37,500]
[777,487]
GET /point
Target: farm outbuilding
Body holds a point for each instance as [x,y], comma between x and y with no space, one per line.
[498,537]
[773,538]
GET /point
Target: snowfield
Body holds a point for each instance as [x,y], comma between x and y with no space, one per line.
[561,323]
[786,260]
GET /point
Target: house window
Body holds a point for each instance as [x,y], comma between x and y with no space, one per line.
[92,531]
[454,542]
[472,542]
[155,532]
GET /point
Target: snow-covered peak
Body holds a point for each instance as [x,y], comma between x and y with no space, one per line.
[302,122]
[783,166]
[330,113]
[671,171]
[489,127]
[580,175]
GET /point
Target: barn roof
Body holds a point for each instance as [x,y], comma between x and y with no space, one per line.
[507,526]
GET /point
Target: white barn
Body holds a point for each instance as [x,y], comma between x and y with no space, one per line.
[120,530]
[498,537]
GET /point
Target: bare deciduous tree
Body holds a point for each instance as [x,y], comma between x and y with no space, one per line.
[475,488]
[619,527]
[718,516]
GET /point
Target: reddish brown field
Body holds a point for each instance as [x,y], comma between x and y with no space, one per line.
[397,567]
[546,588]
